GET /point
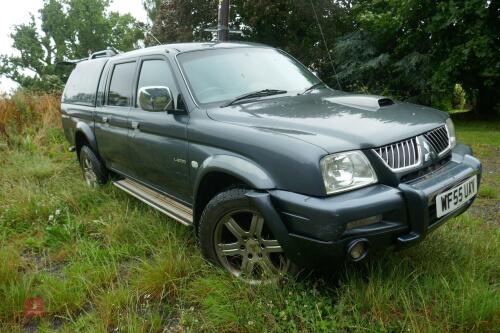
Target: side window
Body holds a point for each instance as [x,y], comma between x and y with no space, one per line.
[120,88]
[82,84]
[156,73]
[102,87]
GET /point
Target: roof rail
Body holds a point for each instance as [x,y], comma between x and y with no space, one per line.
[70,62]
[104,53]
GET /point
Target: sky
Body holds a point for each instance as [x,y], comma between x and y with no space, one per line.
[18,12]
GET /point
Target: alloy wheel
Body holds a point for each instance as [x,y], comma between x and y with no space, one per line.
[247,248]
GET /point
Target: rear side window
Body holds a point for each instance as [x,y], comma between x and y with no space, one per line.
[120,88]
[81,87]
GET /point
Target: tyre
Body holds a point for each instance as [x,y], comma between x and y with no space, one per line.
[233,234]
[94,170]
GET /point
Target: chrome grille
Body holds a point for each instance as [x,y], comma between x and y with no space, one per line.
[438,139]
[400,155]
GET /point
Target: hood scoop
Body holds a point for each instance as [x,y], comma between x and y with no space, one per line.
[365,102]
[385,102]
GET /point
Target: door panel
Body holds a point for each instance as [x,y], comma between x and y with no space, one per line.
[157,140]
[111,118]
[158,150]
[111,130]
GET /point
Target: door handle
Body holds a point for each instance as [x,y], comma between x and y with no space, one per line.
[105,119]
[135,124]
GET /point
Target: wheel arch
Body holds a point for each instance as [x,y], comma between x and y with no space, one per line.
[220,172]
[84,135]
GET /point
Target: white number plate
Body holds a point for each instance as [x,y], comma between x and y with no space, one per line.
[450,200]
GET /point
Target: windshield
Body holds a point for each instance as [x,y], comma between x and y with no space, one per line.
[223,74]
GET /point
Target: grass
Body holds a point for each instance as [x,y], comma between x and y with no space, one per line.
[101,261]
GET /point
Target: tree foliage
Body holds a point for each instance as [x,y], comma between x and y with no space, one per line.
[183,20]
[152,8]
[419,49]
[416,50]
[290,25]
[69,29]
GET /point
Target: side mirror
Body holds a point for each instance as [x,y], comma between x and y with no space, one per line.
[155,98]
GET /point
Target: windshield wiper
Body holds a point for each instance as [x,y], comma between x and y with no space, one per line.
[255,94]
[314,86]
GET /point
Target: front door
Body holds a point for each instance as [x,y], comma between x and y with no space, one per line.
[111,118]
[158,140]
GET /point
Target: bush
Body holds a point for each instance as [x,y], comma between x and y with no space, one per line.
[442,102]
[458,97]
[27,118]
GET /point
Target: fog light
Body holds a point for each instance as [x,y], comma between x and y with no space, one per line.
[358,249]
[363,222]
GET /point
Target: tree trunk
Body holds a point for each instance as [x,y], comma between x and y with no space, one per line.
[487,104]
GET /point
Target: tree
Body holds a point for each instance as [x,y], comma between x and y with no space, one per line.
[70,29]
[290,25]
[152,7]
[184,21]
[467,50]
[415,50]
[419,50]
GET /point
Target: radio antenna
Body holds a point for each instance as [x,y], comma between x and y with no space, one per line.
[326,44]
[156,39]
[151,34]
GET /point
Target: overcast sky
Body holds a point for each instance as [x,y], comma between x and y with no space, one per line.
[18,11]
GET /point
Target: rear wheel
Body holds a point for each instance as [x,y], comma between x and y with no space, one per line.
[234,234]
[94,171]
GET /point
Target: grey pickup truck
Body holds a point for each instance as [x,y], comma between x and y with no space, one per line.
[273,169]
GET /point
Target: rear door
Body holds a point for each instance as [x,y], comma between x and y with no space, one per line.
[79,96]
[158,140]
[111,118]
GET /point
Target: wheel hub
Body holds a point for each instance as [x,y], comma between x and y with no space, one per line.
[252,246]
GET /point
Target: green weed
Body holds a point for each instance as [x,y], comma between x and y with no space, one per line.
[102,261]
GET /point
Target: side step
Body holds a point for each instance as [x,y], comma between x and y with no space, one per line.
[158,201]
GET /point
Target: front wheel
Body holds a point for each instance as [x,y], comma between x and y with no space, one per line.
[234,234]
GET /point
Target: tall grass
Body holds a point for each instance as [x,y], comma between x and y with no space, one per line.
[102,261]
[25,114]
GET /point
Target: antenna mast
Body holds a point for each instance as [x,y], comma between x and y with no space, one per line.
[326,44]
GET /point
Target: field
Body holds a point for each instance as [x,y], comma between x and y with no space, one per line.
[101,261]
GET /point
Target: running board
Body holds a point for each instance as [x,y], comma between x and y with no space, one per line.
[158,201]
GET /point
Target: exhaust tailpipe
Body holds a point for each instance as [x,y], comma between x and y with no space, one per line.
[358,249]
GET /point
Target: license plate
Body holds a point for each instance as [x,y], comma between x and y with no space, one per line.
[450,200]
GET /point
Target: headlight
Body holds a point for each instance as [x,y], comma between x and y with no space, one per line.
[451,132]
[346,171]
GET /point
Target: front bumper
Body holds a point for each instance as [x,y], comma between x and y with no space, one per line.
[313,233]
